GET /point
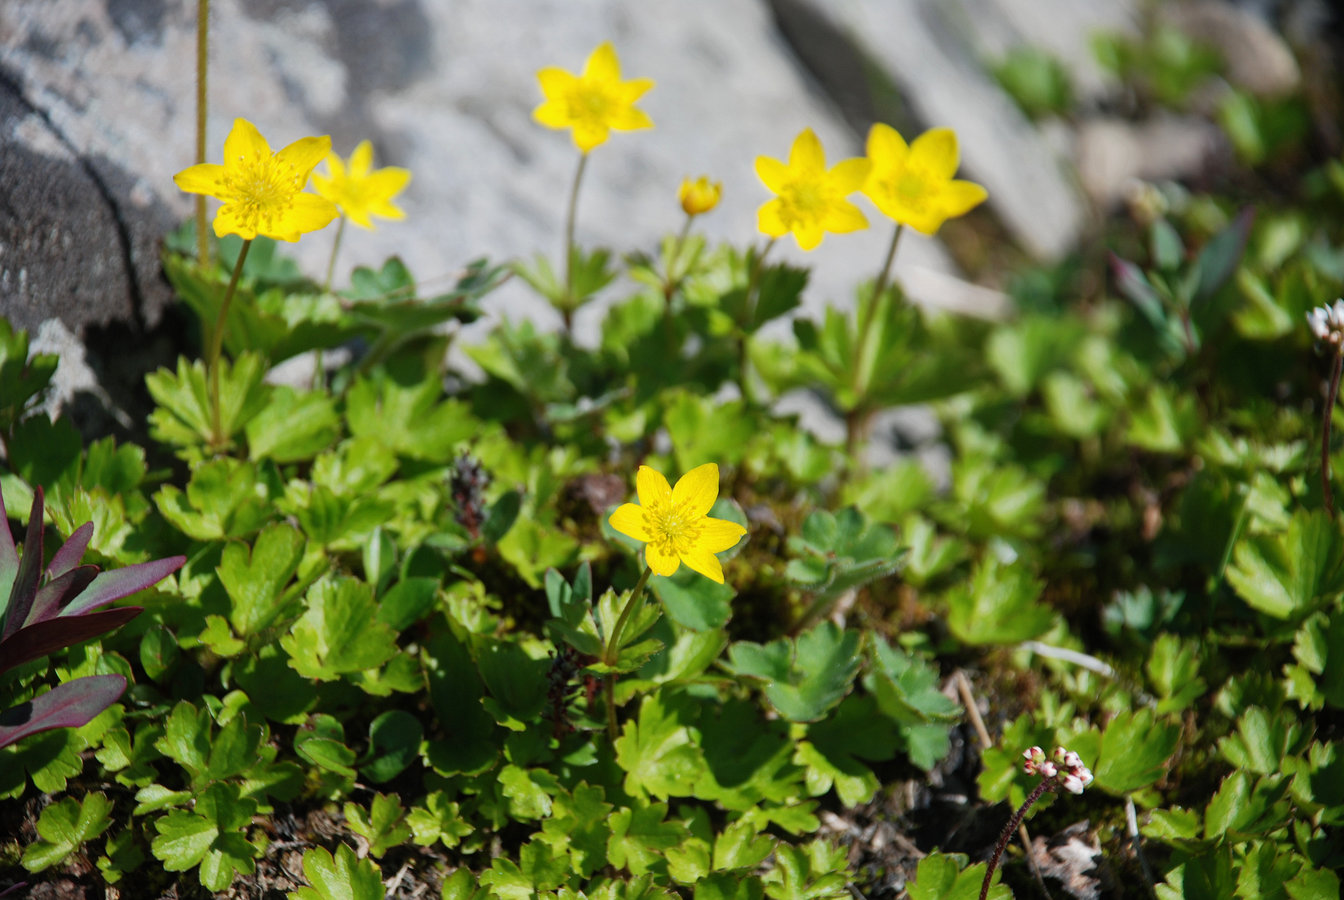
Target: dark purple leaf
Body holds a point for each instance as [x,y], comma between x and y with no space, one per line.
[1220,256]
[1134,285]
[53,596]
[68,705]
[63,631]
[71,552]
[118,583]
[30,571]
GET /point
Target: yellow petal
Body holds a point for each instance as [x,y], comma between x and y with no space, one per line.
[935,151]
[388,181]
[808,234]
[244,142]
[773,173]
[661,563]
[629,519]
[357,214]
[698,489]
[769,220]
[629,119]
[227,222]
[386,209]
[362,159]
[651,486]
[552,114]
[717,535]
[304,155]
[203,178]
[603,64]
[848,175]
[886,148]
[843,218]
[960,197]
[632,90]
[555,82]
[588,135]
[309,212]
[705,563]
[806,154]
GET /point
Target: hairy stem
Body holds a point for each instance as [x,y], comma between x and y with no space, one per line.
[1045,785]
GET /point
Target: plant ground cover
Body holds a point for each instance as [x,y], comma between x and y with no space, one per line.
[411,634]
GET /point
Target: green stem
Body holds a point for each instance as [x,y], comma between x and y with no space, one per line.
[748,313]
[202,60]
[1326,490]
[217,345]
[335,248]
[569,302]
[870,312]
[671,278]
[319,372]
[612,651]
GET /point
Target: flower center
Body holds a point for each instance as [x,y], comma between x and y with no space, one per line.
[673,527]
[261,189]
[589,104]
[804,201]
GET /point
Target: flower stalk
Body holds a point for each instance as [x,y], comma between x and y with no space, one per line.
[202,64]
[612,651]
[216,346]
[1327,326]
[567,308]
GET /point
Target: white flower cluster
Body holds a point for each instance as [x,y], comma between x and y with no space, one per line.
[1327,324]
[1066,768]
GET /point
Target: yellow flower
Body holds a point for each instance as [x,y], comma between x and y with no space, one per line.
[592,103]
[913,184]
[674,524]
[699,196]
[810,198]
[361,193]
[262,192]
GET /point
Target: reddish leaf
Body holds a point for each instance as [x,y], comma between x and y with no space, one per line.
[30,571]
[68,705]
[41,638]
[71,552]
[118,583]
[55,594]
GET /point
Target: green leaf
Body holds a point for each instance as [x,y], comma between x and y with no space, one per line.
[657,750]
[693,601]
[64,826]
[404,411]
[834,747]
[440,819]
[1283,575]
[292,426]
[811,872]
[184,416]
[339,632]
[1135,748]
[324,745]
[640,837]
[947,877]
[255,581]
[1243,808]
[998,605]
[210,836]
[383,826]
[803,678]
[225,498]
[342,877]
[394,744]
[407,602]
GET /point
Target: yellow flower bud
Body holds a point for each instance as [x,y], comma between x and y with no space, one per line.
[699,196]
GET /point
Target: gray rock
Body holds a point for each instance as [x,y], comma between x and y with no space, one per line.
[1115,153]
[1257,59]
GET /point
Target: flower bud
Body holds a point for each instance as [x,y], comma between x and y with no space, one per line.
[699,196]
